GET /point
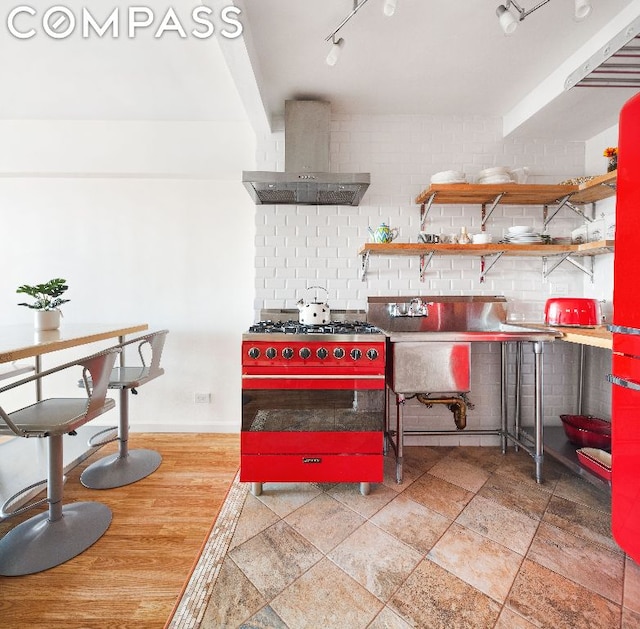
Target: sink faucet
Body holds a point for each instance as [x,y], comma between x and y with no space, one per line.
[417,308]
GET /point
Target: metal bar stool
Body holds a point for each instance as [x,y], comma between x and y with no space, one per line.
[59,534]
[128,466]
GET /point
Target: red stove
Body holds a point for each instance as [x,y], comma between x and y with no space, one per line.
[313,403]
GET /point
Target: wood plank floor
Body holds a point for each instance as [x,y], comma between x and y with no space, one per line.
[134,574]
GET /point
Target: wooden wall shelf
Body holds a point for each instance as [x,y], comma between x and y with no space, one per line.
[492,195]
[493,251]
[538,251]
[597,189]
[592,191]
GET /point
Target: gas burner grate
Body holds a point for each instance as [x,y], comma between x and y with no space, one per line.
[294,327]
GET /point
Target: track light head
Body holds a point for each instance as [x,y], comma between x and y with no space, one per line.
[389,7]
[334,52]
[582,9]
[508,22]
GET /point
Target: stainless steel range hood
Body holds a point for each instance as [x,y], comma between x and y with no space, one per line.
[306,179]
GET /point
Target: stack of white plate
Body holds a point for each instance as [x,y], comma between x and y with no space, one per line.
[449,176]
[522,235]
[496,174]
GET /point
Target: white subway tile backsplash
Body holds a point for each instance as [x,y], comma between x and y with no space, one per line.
[265,252]
[306,245]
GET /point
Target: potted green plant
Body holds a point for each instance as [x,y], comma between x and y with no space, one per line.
[47,302]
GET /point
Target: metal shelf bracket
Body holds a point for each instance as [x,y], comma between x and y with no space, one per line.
[424,209]
[565,201]
[425,260]
[364,265]
[546,271]
[549,218]
[584,269]
[549,269]
[494,205]
[580,213]
[486,268]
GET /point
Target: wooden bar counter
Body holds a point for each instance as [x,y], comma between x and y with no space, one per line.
[598,336]
[22,341]
[23,462]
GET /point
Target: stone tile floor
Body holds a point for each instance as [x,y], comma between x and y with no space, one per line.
[468,540]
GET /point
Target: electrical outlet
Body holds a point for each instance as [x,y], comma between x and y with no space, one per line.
[202,398]
[558,289]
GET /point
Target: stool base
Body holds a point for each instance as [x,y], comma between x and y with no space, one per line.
[39,544]
[116,470]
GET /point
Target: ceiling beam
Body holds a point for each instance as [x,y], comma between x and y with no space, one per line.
[619,31]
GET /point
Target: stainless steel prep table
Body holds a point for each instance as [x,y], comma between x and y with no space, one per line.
[504,335]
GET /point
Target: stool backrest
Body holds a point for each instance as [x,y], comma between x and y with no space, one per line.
[155,342]
[95,375]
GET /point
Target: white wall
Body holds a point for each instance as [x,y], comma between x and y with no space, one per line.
[301,246]
[120,162]
[598,361]
[320,245]
[148,223]
[595,164]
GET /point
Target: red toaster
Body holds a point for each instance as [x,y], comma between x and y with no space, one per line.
[572,311]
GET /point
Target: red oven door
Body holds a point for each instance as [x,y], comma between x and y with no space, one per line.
[312,436]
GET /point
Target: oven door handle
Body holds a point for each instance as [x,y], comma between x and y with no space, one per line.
[623,382]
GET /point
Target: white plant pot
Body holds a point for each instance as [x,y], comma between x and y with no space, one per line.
[47,319]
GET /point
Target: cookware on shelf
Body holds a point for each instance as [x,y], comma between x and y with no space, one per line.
[383,233]
[587,431]
[596,460]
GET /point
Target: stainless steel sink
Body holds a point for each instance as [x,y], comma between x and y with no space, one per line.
[429,359]
[504,332]
[431,336]
[449,319]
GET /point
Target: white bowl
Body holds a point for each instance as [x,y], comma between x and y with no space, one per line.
[481,239]
[520,229]
[495,179]
[448,176]
[493,172]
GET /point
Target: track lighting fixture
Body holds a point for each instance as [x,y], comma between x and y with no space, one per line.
[509,21]
[334,52]
[582,9]
[388,8]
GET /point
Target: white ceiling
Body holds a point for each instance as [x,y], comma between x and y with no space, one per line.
[437,57]
[116,78]
[433,57]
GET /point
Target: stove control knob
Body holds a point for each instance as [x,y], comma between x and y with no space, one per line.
[356,354]
[271,353]
[322,353]
[287,353]
[254,352]
[338,353]
[305,352]
[372,354]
